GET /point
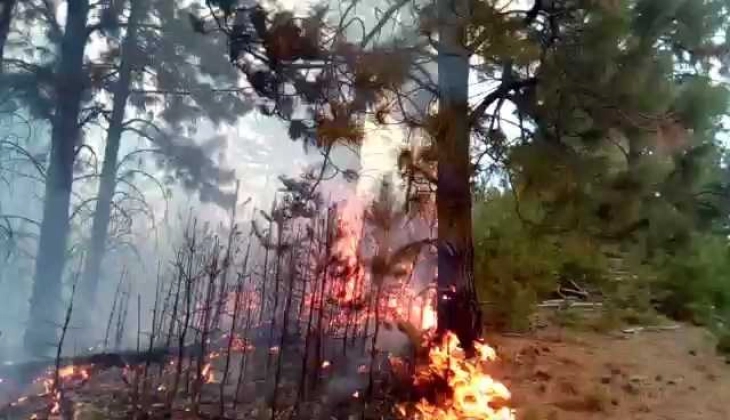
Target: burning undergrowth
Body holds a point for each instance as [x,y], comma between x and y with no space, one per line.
[303,318]
[451,386]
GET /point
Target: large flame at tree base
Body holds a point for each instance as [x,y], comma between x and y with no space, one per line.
[457,387]
[450,385]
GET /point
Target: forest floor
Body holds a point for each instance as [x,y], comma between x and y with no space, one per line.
[559,373]
[555,372]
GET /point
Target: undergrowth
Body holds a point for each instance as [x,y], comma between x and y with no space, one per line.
[516,268]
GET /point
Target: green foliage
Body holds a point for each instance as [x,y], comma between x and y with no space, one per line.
[695,286]
[515,266]
[723,343]
[617,147]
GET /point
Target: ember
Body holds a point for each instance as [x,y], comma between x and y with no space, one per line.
[73,372]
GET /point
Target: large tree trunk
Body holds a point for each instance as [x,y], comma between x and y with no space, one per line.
[457,307]
[107,183]
[45,301]
[6,15]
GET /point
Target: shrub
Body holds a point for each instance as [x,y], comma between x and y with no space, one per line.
[695,286]
[516,267]
[723,343]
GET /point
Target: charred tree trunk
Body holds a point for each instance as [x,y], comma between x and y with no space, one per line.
[51,256]
[264,276]
[107,184]
[7,7]
[227,261]
[284,332]
[277,280]
[458,310]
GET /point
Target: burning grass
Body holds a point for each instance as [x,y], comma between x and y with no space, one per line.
[452,386]
[298,335]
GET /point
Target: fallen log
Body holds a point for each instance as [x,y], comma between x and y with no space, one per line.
[654,328]
[27,371]
[568,303]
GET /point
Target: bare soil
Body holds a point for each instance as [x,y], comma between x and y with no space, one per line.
[563,374]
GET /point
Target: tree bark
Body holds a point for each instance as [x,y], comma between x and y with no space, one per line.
[6,15]
[458,310]
[45,302]
[107,183]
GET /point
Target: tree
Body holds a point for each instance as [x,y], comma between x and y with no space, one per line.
[108,178]
[68,89]
[179,88]
[62,86]
[458,310]
[576,74]
[6,15]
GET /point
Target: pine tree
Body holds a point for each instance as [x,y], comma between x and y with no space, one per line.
[62,86]
[68,85]
[579,75]
[7,9]
[121,90]
[458,310]
[179,60]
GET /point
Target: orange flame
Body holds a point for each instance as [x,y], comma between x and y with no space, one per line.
[474,394]
[66,374]
[347,247]
[418,310]
[241,345]
[73,372]
[208,374]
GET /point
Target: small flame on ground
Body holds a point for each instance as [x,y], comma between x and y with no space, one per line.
[73,372]
[326,364]
[56,405]
[208,374]
[241,345]
[52,388]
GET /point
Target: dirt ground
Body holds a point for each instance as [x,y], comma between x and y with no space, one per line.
[562,374]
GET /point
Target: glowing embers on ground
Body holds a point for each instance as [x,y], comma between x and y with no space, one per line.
[457,386]
[67,375]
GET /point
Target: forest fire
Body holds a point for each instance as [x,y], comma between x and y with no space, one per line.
[208,374]
[419,310]
[348,267]
[74,372]
[453,385]
[456,387]
[345,306]
[54,381]
[71,374]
